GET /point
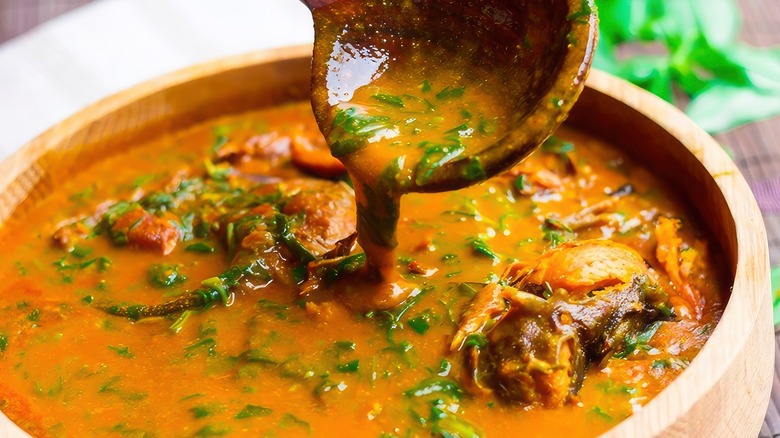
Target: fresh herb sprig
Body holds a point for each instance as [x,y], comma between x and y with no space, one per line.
[728,83]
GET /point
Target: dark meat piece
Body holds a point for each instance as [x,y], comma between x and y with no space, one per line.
[324,215]
[269,146]
[574,306]
[141,229]
[329,213]
[68,235]
[313,156]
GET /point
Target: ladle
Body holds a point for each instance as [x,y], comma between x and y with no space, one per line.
[534,53]
[435,95]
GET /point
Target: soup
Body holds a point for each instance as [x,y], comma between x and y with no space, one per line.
[420,97]
[193,286]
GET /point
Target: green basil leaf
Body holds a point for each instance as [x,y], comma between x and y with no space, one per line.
[761,66]
[723,106]
[651,73]
[614,21]
[717,20]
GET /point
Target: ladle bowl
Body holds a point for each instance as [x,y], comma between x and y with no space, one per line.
[539,52]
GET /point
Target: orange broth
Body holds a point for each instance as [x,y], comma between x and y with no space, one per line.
[268,364]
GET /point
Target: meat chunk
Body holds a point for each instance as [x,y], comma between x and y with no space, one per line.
[328,209]
[271,146]
[68,235]
[575,305]
[141,229]
[580,267]
[677,264]
[313,156]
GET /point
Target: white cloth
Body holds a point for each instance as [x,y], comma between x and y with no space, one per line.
[99,49]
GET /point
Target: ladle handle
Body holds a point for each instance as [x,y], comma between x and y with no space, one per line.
[314,4]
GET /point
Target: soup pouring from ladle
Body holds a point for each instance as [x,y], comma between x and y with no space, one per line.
[435,95]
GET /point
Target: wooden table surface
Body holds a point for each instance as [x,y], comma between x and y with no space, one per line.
[756,147]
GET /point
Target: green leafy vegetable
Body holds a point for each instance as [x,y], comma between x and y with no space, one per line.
[477,340]
[80,251]
[481,247]
[162,275]
[103,264]
[420,323]
[121,350]
[637,340]
[212,430]
[349,367]
[250,411]
[180,321]
[556,232]
[728,83]
[601,413]
[34,315]
[200,247]
[217,172]
[435,385]
[206,410]
[434,157]
[351,130]
[295,246]
[520,182]
[291,420]
[450,93]
[345,345]
[389,99]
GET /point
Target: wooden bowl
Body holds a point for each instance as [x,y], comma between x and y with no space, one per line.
[725,390]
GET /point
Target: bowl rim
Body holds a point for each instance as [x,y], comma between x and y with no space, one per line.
[750,298]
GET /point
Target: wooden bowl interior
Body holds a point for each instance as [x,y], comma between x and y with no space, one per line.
[733,364]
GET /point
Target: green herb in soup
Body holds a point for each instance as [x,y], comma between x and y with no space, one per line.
[219,297]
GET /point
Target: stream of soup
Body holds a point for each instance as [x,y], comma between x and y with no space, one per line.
[276,353]
[404,91]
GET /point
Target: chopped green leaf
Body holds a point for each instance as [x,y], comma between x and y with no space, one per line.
[34,315]
[435,385]
[345,345]
[420,323]
[349,367]
[389,99]
[80,251]
[212,430]
[601,413]
[250,411]
[450,93]
[556,232]
[142,180]
[121,350]
[283,223]
[481,247]
[477,340]
[291,420]
[200,247]
[206,410]
[103,264]
[162,275]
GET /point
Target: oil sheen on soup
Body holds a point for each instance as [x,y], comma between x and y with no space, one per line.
[191,287]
